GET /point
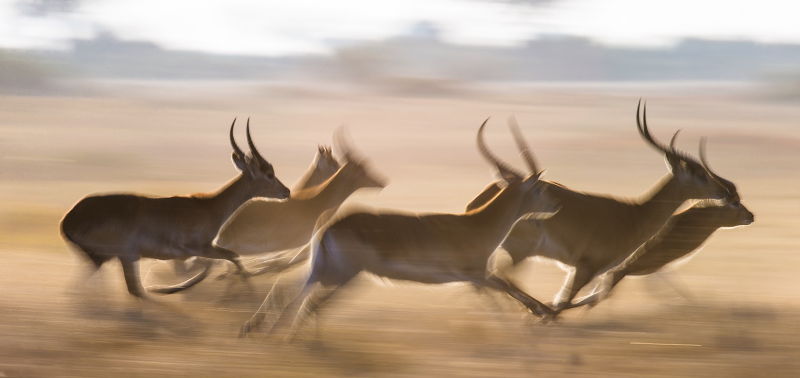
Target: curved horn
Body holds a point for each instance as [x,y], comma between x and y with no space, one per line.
[501,167]
[645,132]
[236,150]
[253,150]
[672,141]
[729,186]
[704,161]
[522,145]
[733,194]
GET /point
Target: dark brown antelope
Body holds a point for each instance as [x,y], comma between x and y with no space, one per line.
[593,233]
[424,248]
[131,226]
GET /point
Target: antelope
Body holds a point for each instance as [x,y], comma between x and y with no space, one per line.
[262,226]
[424,248]
[684,233]
[321,169]
[592,232]
[132,226]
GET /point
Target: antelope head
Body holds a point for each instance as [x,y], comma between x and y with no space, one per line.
[537,198]
[696,178]
[733,214]
[256,170]
[355,167]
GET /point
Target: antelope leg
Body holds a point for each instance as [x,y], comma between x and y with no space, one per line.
[575,281]
[194,280]
[535,306]
[130,267]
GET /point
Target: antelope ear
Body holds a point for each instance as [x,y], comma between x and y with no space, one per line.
[531,180]
[240,162]
[507,177]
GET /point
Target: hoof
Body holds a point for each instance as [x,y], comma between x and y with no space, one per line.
[549,319]
[245,330]
[250,326]
[541,311]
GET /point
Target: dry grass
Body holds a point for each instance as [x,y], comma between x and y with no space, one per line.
[55,150]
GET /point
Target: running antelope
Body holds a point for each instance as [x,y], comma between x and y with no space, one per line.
[131,226]
[263,226]
[321,169]
[269,226]
[424,248]
[593,233]
[684,233]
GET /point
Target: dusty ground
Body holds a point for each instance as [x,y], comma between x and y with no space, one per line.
[744,319]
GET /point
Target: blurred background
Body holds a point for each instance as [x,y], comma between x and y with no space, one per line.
[112,95]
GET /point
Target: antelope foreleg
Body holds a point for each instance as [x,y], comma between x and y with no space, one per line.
[600,292]
[130,268]
[676,286]
[257,319]
[572,285]
[278,263]
[534,305]
[194,280]
[215,252]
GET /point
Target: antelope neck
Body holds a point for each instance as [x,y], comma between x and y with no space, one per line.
[499,213]
[332,192]
[658,205]
[228,198]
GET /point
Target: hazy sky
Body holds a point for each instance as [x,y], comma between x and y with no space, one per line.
[309,26]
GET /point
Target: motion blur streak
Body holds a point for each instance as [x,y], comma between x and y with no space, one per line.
[113,96]
[743,281]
